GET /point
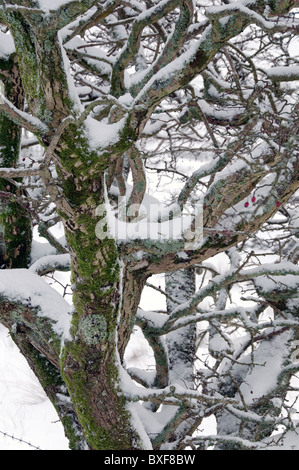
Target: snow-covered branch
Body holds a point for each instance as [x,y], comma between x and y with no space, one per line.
[51,263]
[18,172]
[174,395]
[26,120]
[28,290]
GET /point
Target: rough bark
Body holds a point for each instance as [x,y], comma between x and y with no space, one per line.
[15,232]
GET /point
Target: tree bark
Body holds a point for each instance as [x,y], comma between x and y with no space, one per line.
[15,225]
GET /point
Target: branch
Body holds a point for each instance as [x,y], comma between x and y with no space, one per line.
[55,139]
[174,43]
[193,61]
[21,118]
[91,18]
[20,8]
[40,345]
[283,74]
[139,177]
[18,172]
[29,304]
[23,322]
[43,230]
[218,12]
[244,443]
[152,15]
[215,285]
[175,395]
[51,263]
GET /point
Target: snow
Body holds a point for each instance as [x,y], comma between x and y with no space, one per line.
[39,249]
[154,422]
[166,73]
[289,440]
[268,284]
[7,45]
[268,359]
[284,73]
[157,320]
[139,426]
[31,120]
[73,92]
[22,285]
[236,6]
[51,260]
[142,229]
[153,222]
[25,410]
[96,56]
[101,134]
[48,5]
[275,268]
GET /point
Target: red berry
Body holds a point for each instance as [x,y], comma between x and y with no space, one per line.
[278,204]
[246,204]
[253,199]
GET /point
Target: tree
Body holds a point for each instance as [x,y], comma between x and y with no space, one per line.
[201,100]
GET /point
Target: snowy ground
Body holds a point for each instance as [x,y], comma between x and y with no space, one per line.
[25,411]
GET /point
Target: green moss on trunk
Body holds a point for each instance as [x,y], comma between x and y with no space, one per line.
[88,362]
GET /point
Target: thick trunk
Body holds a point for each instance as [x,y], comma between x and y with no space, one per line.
[90,362]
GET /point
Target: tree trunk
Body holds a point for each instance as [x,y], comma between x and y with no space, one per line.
[90,363]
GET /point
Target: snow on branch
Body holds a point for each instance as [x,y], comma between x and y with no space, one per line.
[8,7]
[273,25]
[51,263]
[92,17]
[175,394]
[181,315]
[211,439]
[7,45]
[27,288]
[18,172]
[283,74]
[31,123]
